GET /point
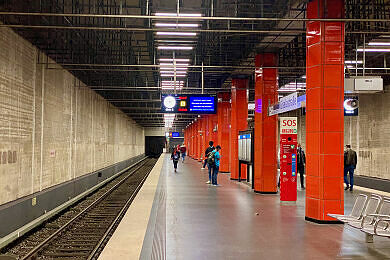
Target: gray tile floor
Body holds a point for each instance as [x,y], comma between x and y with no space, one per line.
[206,222]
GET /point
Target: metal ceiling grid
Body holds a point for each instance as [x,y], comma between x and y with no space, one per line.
[116,55]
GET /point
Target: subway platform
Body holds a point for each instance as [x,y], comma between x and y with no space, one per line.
[178,216]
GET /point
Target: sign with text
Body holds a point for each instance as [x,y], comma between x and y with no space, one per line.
[288,125]
[287,103]
[192,104]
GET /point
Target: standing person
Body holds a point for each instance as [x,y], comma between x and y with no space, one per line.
[301,162]
[175,156]
[183,151]
[206,153]
[217,158]
[350,161]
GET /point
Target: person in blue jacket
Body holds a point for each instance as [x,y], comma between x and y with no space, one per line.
[217,158]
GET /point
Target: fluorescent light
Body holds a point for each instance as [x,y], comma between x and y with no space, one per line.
[177,64]
[180,60]
[172,75]
[373,50]
[176,41]
[180,14]
[175,47]
[177,24]
[172,68]
[303,77]
[379,43]
[172,72]
[171,81]
[353,62]
[177,33]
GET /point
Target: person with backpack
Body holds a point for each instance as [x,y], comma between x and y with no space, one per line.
[217,158]
[210,164]
[183,151]
[175,156]
[207,152]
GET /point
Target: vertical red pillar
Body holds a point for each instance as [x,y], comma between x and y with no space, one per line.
[191,148]
[195,140]
[324,111]
[198,137]
[214,121]
[265,161]
[224,130]
[239,115]
[203,123]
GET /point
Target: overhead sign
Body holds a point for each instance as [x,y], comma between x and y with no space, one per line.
[287,103]
[288,125]
[175,134]
[194,104]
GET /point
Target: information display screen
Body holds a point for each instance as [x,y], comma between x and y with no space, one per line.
[192,104]
[175,134]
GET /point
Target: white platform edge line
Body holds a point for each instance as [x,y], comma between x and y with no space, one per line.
[127,240]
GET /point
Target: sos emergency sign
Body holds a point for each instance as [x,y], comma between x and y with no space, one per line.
[288,159]
[288,125]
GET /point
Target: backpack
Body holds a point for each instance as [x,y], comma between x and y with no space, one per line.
[176,157]
[211,158]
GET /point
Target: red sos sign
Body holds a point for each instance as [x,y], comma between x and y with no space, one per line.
[289,122]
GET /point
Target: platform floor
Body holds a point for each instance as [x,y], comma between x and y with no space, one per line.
[193,220]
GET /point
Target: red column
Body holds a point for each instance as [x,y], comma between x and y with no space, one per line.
[202,134]
[239,115]
[198,140]
[214,121]
[195,140]
[224,130]
[324,111]
[265,161]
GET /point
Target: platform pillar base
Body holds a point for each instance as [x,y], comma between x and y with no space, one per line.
[323,221]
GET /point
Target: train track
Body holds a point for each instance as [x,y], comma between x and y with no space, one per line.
[82,231]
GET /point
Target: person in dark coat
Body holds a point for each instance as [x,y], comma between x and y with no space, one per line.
[175,157]
[301,163]
[350,162]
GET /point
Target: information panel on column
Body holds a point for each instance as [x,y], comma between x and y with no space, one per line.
[288,158]
[191,104]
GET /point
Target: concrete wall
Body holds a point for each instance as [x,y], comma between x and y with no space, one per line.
[52,128]
[155,131]
[368,134]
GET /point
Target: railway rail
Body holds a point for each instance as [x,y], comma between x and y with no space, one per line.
[82,231]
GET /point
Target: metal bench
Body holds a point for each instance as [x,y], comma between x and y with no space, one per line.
[372,222]
[382,227]
[357,210]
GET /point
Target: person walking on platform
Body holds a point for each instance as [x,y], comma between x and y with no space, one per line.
[217,158]
[350,161]
[183,151]
[175,156]
[207,152]
[301,162]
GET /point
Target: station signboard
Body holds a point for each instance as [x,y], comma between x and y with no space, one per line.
[192,104]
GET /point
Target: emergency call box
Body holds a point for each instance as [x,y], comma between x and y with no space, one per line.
[288,158]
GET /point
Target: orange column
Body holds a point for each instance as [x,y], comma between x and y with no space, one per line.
[214,135]
[202,133]
[224,130]
[265,161]
[324,111]
[239,115]
[197,139]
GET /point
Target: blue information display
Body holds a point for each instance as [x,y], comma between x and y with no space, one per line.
[189,104]
[175,134]
[202,104]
